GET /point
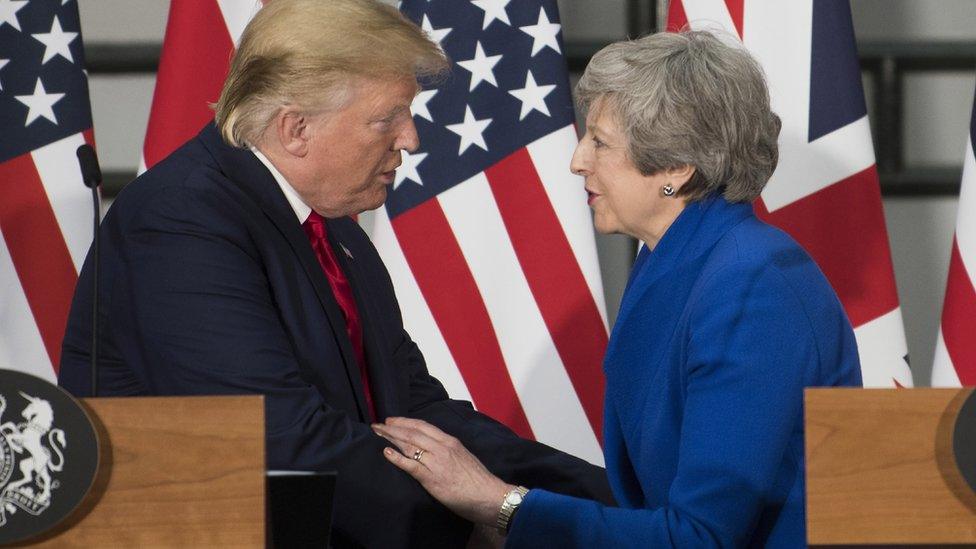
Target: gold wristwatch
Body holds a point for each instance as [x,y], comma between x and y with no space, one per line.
[510,504]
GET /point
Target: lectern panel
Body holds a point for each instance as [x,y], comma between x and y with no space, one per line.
[173,472]
[881,470]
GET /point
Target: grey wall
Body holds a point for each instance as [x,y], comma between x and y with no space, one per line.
[936,120]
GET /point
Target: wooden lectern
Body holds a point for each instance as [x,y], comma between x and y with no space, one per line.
[880,468]
[175,472]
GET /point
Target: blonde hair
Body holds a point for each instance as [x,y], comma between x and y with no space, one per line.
[308,52]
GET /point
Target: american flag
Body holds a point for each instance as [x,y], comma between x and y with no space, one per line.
[45,209]
[487,234]
[825,191]
[955,352]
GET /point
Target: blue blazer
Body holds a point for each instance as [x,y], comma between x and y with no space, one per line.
[209,286]
[720,329]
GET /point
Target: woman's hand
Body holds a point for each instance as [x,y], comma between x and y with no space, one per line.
[445,468]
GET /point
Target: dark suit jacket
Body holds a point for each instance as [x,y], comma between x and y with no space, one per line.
[209,286]
[720,329]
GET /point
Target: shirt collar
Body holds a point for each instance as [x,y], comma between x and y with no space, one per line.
[301,209]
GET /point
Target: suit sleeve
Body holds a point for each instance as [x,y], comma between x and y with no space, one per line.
[749,344]
[513,459]
[510,457]
[194,315]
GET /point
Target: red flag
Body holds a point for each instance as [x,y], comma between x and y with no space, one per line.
[199,42]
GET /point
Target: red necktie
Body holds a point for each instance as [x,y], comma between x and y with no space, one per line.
[315,230]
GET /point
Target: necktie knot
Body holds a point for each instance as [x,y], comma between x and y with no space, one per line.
[314,226]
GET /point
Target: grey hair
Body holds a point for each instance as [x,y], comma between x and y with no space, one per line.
[689,99]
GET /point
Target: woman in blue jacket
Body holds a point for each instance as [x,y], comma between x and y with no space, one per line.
[724,321]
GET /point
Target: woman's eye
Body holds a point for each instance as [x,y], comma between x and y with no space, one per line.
[597,143]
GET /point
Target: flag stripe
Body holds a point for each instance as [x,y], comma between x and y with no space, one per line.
[959,318]
[882,349]
[437,263]
[40,256]
[415,311]
[736,10]
[61,176]
[677,18]
[551,156]
[554,277]
[530,354]
[943,371]
[192,68]
[818,224]
[21,346]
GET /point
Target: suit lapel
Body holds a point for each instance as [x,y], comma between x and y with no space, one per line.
[382,378]
[243,167]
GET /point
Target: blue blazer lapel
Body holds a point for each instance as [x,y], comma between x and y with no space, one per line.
[699,226]
[243,167]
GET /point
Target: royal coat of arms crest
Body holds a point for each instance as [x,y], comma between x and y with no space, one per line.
[31,451]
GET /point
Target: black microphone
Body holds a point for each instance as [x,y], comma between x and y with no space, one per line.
[91,175]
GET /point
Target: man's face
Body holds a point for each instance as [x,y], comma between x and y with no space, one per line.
[353,152]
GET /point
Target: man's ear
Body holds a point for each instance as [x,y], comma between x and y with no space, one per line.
[291,130]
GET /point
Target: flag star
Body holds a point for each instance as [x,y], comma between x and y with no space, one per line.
[419,105]
[481,67]
[437,35]
[3,63]
[543,33]
[533,96]
[40,103]
[471,131]
[408,168]
[494,9]
[56,42]
[8,12]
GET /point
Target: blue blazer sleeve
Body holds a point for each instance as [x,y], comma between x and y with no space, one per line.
[749,349]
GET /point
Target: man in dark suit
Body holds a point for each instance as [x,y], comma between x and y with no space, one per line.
[233,267]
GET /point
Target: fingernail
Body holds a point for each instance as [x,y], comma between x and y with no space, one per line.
[388,451]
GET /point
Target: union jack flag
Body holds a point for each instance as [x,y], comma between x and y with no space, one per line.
[45,208]
[487,234]
[825,191]
[955,352]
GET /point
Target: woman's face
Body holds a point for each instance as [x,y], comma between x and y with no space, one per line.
[622,198]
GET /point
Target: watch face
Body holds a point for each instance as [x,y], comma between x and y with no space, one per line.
[513,498]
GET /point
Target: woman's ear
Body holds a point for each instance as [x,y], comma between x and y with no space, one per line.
[680,175]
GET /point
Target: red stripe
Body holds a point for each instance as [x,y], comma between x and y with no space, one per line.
[959,318]
[554,277]
[192,68]
[736,11]
[843,228]
[677,19]
[446,282]
[38,250]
